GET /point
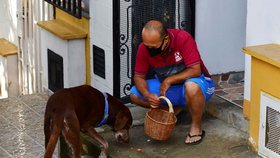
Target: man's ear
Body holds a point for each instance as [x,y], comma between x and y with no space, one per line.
[121,120]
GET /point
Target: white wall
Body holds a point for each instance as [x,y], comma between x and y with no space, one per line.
[8,30]
[8,20]
[263,27]
[220,34]
[73,54]
[76,59]
[3,76]
[101,34]
[263,22]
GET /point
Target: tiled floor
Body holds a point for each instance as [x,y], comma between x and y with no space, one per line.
[21,124]
[229,90]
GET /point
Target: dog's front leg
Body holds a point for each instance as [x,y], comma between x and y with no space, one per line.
[104,144]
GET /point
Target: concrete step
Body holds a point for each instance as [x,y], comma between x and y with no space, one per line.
[217,107]
[227,112]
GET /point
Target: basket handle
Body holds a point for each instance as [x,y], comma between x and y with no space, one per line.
[168,102]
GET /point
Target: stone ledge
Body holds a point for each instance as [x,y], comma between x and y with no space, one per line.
[227,112]
[7,48]
[62,29]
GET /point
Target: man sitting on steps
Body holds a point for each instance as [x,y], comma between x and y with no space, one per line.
[181,75]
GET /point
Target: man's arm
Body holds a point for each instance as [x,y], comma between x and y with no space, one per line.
[189,72]
[142,87]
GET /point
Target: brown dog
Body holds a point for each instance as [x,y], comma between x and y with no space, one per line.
[76,109]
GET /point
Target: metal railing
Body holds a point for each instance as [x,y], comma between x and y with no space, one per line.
[72,7]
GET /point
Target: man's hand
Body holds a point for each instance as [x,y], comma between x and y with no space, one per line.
[164,86]
[153,100]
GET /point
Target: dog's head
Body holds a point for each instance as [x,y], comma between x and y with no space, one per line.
[122,125]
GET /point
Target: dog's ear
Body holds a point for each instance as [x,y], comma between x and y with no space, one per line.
[121,120]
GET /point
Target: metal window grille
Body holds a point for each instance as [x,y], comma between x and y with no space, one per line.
[272,141]
[72,7]
[269,137]
[55,71]
[98,61]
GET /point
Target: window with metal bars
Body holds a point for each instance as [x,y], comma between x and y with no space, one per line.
[99,61]
[72,7]
[272,141]
[55,71]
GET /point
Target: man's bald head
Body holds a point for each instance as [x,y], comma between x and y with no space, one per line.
[155,37]
[155,26]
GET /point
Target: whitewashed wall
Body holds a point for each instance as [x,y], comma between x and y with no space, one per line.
[8,20]
[73,54]
[101,34]
[220,34]
[263,27]
[8,30]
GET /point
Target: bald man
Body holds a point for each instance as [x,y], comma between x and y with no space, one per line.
[180,74]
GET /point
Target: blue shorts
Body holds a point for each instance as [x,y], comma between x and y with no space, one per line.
[176,93]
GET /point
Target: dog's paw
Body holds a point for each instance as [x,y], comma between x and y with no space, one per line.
[102,155]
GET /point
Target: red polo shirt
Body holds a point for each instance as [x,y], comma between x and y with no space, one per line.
[182,48]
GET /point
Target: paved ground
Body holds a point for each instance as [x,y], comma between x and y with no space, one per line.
[221,141]
[21,128]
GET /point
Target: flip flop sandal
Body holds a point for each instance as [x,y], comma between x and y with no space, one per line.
[196,135]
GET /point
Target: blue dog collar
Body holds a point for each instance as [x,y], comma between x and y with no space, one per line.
[106,111]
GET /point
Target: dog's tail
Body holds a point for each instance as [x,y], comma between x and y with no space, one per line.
[52,130]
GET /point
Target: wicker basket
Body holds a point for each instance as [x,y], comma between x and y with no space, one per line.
[159,124]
